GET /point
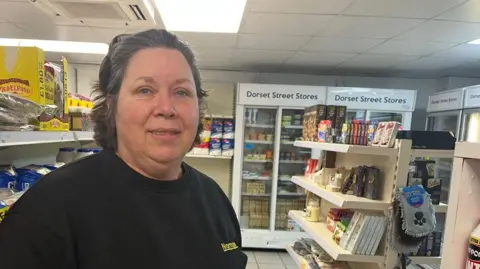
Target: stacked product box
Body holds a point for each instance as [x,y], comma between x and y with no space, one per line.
[79,108]
[217,138]
[28,81]
[431,245]
[323,123]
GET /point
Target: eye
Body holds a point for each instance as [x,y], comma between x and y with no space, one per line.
[182,92]
[144,91]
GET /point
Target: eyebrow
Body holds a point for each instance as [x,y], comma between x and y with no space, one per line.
[177,81]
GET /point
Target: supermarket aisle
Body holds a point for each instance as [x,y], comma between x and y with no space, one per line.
[269,260]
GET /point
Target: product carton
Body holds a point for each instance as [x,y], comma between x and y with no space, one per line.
[56,98]
[22,73]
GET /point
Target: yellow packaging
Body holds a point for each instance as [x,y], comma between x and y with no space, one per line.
[56,93]
[22,73]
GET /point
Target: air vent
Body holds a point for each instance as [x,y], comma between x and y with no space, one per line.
[100,13]
[90,10]
[138,12]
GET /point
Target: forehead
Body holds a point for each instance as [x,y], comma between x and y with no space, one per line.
[158,63]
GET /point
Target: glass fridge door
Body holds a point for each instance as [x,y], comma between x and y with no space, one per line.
[257,166]
[385,116]
[292,161]
[443,167]
[472,126]
[355,114]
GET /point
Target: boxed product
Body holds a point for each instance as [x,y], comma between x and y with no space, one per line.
[215,147]
[216,129]
[311,118]
[227,147]
[56,116]
[228,129]
[79,108]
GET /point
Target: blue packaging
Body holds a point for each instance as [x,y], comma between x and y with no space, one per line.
[215,147]
[8,177]
[227,147]
[29,175]
[216,129]
[228,129]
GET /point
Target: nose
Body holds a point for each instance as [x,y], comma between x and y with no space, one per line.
[164,105]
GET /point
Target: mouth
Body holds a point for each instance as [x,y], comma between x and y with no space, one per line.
[165,132]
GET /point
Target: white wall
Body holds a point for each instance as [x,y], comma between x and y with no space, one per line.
[86,74]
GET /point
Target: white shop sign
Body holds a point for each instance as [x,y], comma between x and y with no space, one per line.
[372,99]
[472,97]
[280,95]
[449,100]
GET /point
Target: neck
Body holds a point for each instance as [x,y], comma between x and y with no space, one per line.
[150,168]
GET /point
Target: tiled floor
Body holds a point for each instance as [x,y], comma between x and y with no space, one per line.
[269,260]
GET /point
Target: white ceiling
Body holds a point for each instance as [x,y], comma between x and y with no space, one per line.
[374,37]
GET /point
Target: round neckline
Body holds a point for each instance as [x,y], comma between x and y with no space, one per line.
[150,184]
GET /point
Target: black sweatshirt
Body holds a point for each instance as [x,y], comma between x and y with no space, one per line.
[98,213]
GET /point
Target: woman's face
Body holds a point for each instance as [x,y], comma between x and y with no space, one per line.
[157,111]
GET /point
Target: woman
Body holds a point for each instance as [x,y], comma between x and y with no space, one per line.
[135,204]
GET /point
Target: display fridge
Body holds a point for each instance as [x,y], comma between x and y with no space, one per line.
[445,114]
[375,104]
[470,130]
[268,121]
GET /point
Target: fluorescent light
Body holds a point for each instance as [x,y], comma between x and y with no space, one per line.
[475,42]
[214,16]
[57,46]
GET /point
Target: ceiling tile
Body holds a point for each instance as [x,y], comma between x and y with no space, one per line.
[443,31]
[318,58]
[400,8]
[467,12]
[299,6]
[368,27]
[209,39]
[21,12]
[432,63]
[461,51]
[376,61]
[288,24]
[261,56]
[409,47]
[348,45]
[8,30]
[251,41]
[218,55]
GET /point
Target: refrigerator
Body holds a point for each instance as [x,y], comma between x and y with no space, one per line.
[445,114]
[269,119]
[375,104]
[470,129]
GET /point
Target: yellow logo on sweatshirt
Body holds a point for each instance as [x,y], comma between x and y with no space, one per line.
[229,246]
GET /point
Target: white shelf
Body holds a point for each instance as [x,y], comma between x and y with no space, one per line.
[293,127]
[257,194]
[318,231]
[432,153]
[258,142]
[207,156]
[295,161]
[256,161]
[343,148]
[441,208]
[339,199]
[254,125]
[425,260]
[214,116]
[467,150]
[299,261]
[257,178]
[8,139]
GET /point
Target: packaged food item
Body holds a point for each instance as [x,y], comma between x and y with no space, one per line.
[312,212]
[207,127]
[473,256]
[345,133]
[311,118]
[324,130]
[340,117]
[8,176]
[3,210]
[359,181]
[216,129]
[228,129]
[215,148]
[227,147]
[55,116]
[29,175]
[372,126]
[389,134]
[379,133]
[66,155]
[372,183]
[83,152]
[434,187]
[340,229]
[79,109]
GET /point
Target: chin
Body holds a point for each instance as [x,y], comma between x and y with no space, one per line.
[166,154]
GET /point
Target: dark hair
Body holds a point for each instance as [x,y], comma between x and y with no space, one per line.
[111,73]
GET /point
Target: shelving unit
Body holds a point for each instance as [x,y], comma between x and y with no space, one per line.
[464,197]
[394,164]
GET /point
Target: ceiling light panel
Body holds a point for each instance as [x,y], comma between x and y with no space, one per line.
[213,16]
[57,46]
